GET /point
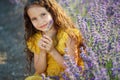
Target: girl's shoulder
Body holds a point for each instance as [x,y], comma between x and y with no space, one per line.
[74,30]
[33,41]
[62,37]
[63,32]
[34,38]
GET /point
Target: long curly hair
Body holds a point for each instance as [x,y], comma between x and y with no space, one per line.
[61,20]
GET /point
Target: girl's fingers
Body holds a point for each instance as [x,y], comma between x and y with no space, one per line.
[44,46]
[71,43]
[68,41]
[46,39]
[73,40]
[45,43]
[43,40]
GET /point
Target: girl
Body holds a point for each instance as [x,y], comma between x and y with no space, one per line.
[48,32]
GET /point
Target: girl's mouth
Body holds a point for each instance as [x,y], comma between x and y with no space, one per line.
[43,26]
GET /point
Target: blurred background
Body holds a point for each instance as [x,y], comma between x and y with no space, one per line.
[12,56]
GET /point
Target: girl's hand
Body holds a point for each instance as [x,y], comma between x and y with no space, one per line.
[46,43]
[71,45]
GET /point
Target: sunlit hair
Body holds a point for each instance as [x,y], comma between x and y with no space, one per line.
[61,20]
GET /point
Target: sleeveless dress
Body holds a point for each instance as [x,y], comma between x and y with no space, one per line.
[53,68]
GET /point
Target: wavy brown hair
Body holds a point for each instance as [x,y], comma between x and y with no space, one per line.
[61,20]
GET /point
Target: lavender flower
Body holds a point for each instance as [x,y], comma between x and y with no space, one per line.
[73,71]
[100,27]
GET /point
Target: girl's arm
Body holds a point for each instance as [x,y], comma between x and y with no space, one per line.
[58,58]
[47,44]
[71,50]
[40,62]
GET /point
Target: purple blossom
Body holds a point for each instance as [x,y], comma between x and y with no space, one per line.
[72,69]
[100,28]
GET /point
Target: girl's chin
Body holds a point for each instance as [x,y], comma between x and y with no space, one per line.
[45,30]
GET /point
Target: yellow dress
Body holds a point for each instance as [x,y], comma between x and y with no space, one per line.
[53,69]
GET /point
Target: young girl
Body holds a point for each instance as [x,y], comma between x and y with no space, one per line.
[48,32]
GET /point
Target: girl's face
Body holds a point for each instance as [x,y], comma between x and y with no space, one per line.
[40,18]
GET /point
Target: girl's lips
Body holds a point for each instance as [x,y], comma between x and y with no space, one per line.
[43,25]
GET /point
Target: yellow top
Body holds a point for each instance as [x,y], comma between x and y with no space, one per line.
[53,68]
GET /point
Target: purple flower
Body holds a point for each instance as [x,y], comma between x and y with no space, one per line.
[109,11]
[101,31]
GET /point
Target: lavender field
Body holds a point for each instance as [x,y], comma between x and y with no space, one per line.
[99,23]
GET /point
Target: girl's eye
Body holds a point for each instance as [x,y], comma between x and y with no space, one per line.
[43,14]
